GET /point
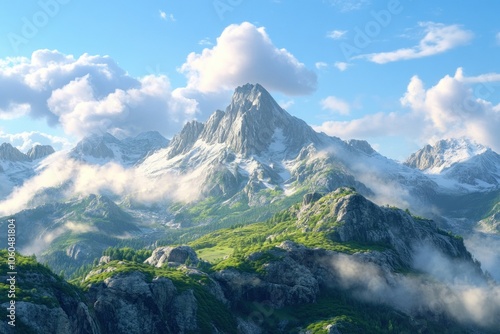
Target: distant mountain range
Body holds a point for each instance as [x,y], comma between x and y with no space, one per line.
[250,222]
[244,164]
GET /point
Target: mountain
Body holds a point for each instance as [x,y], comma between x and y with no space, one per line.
[69,234]
[459,165]
[243,164]
[100,149]
[255,149]
[16,167]
[335,263]
[10,153]
[40,152]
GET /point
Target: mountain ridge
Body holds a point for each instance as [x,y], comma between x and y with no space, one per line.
[301,278]
[460,164]
[103,148]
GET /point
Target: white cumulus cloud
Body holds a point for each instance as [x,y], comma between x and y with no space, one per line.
[27,139]
[457,106]
[89,94]
[245,53]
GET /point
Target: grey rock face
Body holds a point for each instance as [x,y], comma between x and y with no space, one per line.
[79,252]
[40,151]
[185,308]
[95,146]
[484,167]
[353,218]
[361,145]
[10,153]
[129,304]
[285,282]
[172,255]
[250,122]
[62,311]
[311,198]
[185,140]
[461,159]
[423,158]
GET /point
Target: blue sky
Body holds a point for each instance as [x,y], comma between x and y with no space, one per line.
[399,74]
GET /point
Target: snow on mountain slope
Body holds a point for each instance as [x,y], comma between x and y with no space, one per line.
[255,146]
[459,165]
[16,167]
[100,149]
[254,153]
[444,154]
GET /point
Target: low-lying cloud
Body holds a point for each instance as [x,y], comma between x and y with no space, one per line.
[463,295]
[75,179]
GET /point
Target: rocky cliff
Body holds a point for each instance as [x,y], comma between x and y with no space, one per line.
[334,262]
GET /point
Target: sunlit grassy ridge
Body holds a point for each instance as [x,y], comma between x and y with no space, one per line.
[230,247]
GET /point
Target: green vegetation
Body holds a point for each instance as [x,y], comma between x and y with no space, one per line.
[475,206]
[230,248]
[210,310]
[247,248]
[128,254]
[349,314]
[215,254]
[42,292]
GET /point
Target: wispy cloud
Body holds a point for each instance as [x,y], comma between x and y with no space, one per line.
[445,286]
[167,17]
[349,5]
[341,66]
[438,38]
[205,41]
[336,34]
[320,65]
[75,179]
[497,37]
[336,105]
[286,104]
[14,110]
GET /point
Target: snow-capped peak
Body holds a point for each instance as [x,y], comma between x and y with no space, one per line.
[444,154]
[100,149]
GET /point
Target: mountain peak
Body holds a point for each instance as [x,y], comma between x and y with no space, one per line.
[444,154]
[250,97]
[253,121]
[40,151]
[10,153]
[95,146]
